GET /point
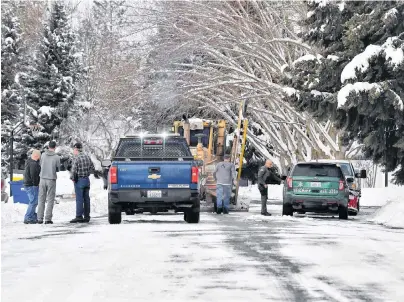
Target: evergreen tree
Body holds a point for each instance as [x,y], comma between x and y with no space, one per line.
[50,86]
[357,80]
[11,64]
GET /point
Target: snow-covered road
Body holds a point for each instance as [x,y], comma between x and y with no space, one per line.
[239,257]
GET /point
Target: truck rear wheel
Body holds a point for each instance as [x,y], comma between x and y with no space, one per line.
[191,217]
[287,210]
[114,215]
[343,212]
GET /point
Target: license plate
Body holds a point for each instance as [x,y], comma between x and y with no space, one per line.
[316,184]
[153,194]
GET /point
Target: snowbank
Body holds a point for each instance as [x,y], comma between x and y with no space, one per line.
[391,214]
[392,201]
[252,192]
[64,211]
[373,197]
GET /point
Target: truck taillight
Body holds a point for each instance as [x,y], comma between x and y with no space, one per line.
[113,175]
[195,175]
[341,185]
[289,181]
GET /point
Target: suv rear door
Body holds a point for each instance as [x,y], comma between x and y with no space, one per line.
[316,179]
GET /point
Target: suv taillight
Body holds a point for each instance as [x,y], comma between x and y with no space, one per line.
[289,181]
[341,185]
[113,175]
[195,175]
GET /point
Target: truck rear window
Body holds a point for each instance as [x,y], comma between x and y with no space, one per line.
[135,148]
[317,170]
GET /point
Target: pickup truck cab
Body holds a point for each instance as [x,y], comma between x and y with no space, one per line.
[153,173]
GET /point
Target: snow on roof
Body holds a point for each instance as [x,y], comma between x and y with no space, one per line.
[360,62]
[331,161]
[357,87]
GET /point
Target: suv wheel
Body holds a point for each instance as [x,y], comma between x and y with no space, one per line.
[191,217]
[343,212]
[287,211]
[114,216]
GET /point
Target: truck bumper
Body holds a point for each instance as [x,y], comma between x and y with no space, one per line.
[172,199]
[326,204]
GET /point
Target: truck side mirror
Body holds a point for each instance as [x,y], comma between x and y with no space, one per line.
[106,163]
[361,174]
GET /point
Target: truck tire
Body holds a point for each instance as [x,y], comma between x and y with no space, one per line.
[343,212]
[191,217]
[287,210]
[114,218]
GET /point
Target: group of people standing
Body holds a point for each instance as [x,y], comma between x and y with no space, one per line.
[40,177]
[225,176]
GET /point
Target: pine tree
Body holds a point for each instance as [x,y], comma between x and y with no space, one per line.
[357,79]
[50,88]
[11,65]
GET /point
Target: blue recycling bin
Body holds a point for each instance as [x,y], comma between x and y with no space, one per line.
[19,193]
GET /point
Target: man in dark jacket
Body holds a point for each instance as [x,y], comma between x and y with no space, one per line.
[265,176]
[80,174]
[31,185]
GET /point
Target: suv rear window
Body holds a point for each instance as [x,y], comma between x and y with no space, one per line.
[135,148]
[314,170]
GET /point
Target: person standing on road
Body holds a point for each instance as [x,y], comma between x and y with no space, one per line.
[82,167]
[31,186]
[265,174]
[225,175]
[50,165]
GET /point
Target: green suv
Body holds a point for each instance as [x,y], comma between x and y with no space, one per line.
[316,187]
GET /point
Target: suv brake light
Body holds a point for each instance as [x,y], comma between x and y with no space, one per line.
[289,181]
[195,175]
[113,175]
[341,185]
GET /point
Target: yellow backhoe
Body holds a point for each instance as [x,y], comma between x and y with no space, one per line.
[207,141]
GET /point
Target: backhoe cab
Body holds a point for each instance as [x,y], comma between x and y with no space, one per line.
[207,142]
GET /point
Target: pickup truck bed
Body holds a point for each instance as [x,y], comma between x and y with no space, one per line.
[148,175]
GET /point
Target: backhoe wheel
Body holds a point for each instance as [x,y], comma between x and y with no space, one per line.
[191,217]
[287,210]
[343,212]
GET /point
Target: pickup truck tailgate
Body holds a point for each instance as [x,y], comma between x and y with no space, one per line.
[157,175]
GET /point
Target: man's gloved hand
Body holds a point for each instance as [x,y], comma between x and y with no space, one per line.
[97,174]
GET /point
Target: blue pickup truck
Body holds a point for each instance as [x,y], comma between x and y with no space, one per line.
[153,173]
